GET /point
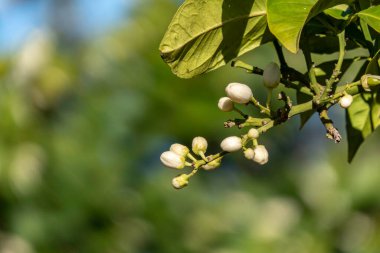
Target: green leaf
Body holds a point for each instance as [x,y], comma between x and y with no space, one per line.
[372,17]
[205,35]
[338,12]
[327,44]
[303,98]
[328,68]
[363,116]
[286,18]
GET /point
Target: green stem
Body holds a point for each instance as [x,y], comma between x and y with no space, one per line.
[248,68]
[240,112]
[331,83]
[310,67]
[262,108]
[191,157]
[352,89]
[331,132]
[269,98]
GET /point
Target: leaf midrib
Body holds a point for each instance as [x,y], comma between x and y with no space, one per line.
[256,14]
[369,15]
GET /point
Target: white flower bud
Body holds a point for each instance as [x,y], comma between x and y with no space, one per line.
[271,75]
[253,133]
[260,154]
[199,145]
[239,93]
[179,149]
[231,144]
[225,104]
[172,160]
[180,181]
[249,153]
[345,101]
[213,164]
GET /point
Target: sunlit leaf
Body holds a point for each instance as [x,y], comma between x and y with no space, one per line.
[372,17]
[205,35]
[286,18]
[363,116]
[338,12]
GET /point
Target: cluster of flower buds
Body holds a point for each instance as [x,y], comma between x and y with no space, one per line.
[180,156]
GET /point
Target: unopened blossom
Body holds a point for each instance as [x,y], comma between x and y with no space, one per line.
[260,154]
[172,160]
[271,75]
[253,133]
[199,145]
[180,181]
[231,144]
[225,104]
[345,101]
[239,93]
[179,149]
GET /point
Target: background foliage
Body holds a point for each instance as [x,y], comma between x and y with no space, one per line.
[83,123]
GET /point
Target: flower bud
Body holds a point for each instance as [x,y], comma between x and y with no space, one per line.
[271,75]
[249,153]
[253,133]
[225,104]
[231,144]
[179,149]
[199,145]
[172,160]
[239,93]
[213,164]
[345,101]
[260,154]
[180,181]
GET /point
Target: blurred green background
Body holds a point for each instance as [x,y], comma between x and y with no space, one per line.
[85,114]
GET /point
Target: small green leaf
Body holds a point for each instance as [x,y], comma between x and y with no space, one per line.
[363,116]
[205,35]
[286,18]
[338,12]
[372,17]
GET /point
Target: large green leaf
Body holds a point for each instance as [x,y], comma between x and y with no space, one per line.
[372,17]
[205,35]
[363,116]
[286,18]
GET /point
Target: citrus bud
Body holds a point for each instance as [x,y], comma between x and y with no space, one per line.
[345,101]
[199,145]
[179,149]
[225,104]
[231,144]
[253,133]
[271,75]
[249,153]
[180,181]
[172,160]
[260,154]
[239,93]
[213,164]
